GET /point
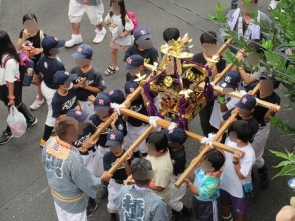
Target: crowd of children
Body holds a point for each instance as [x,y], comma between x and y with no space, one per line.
[221,179]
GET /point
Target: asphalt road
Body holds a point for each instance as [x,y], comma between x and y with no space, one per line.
[24,193]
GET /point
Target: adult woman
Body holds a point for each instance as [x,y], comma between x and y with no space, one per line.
[10,83]
[34,35]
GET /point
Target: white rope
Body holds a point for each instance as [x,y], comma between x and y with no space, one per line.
[209,140]
[172,126]
[117,107]
[153,121]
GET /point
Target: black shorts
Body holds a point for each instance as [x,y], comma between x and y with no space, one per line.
[203,211]
[18,92]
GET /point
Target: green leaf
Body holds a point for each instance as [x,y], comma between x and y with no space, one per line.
[279,154]
[286,170]
[283,163]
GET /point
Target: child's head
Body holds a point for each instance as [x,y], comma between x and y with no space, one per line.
[117,96]
[156,143]
[213,158]
[80,116]
[209,43]
[142,38]
[130,87]
[134,65]
[30,23]
[231,80]
[51,45]
[268,83]
[83,55]
[115,140]
[118,8]
[102,105]
[64,80]
[240,132]
[142,172]
[171,34]
[246,105]
[176,137]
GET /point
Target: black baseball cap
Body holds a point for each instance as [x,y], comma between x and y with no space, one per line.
[114,138]
[231,80]
[117,96]
[176,135]
[134,61]
[50,42]
[130,87]
[83,51]
[102,102]
[80,116]
[61,77]
[248,102]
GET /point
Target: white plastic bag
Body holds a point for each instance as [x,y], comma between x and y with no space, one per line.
[17,122]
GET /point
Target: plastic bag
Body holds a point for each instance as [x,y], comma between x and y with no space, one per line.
[17,122]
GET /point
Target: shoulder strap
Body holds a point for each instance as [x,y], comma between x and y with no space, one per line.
[5,61]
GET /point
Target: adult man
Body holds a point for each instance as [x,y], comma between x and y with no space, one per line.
[138,202]
[94,10]
[69,180]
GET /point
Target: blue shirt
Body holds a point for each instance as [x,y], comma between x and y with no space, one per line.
[208,187]
[91,2]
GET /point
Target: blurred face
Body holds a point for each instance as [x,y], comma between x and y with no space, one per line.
[144,44]
[151,150]
[266,88]
[116,9]
[82,62]
[135,71]
[116,149]
[103,114]
[244,113]
[233,137]
[31,26]
[209,49]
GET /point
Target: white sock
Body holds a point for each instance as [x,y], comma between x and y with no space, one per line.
[76,36]
[228,218]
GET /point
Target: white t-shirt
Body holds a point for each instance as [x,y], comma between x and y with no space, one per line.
[163,171]
[11,71]
[230,181]
[216,116]
[116,19]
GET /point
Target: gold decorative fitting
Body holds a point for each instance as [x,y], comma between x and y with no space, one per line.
[186,93]
[168,81]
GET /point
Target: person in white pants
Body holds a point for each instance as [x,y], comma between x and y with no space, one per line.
[94,10]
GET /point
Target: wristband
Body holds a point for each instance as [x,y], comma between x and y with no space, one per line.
[11,97]
[236,162]
[222,100]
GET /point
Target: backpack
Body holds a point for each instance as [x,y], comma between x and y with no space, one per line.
[134,20]
[25,65]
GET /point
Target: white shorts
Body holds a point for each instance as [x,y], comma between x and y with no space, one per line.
[113,189]
[87,107]
[48,93]
[132,134]
[65,216]
[176,195]
[101,151]
[77,10]
[91,162]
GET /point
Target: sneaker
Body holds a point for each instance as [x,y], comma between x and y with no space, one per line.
[264,179]
[91,209]
[6,136]
[32,123]
[273,5]
[36,104]
[99,36]
[75,40]
[103,193]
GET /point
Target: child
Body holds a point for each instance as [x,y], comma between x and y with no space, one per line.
[65,97]
[222,103]
[34,35]
[171,34]
[142,202]
[89,156]
[209,45]
[117,96]
[143,46]
[266,93]
[103,112]
[121,26]
[177,138]
[47,66]
[158,155]
[89,81]
[206,186]
[135,127]
[236,182]
[115,143]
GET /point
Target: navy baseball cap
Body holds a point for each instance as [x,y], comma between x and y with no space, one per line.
[133,62]
[50,42]
[231,80]
[114,138]
[248,102]
[130,87]
[83,51]
[80,116]
[176,135]
[141,33]
[102,102]
[276,82]
[61,77]
[116,96]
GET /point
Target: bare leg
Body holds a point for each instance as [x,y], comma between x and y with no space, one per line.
[99,27]
[40,95]
[76,28]
[114,53]
[241,217]
[225,211]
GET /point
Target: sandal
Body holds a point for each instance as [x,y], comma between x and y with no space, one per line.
[110,70]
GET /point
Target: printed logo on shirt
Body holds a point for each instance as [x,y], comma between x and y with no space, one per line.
[69,103]
[147,60]
[120,167]
[133,208]
[136,108]
[103,83]
[45,65]
[120,127]
[82,140]
[80,79]
[173,162]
